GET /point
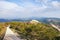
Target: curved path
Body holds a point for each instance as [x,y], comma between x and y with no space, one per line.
[10,35]
[55,27]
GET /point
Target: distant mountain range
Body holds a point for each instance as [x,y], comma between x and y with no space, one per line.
[4,20]
[44,20]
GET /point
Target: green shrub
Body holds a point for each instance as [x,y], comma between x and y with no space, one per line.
[39,31]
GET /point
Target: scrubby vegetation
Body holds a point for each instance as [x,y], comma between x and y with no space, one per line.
[2,30]
[38,31]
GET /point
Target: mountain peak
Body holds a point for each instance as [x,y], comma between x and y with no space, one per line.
[34,21]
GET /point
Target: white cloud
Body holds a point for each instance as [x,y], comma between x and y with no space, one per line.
[8,9]
[56,4]
[49,3]
[8,5]
[13,10]
[44,1]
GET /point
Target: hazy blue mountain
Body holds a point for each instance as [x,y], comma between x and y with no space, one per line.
[42,19]
[4,20]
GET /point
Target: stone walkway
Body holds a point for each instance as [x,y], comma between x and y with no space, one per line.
[10,35]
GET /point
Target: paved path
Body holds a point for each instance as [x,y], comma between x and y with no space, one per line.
[55,27]
[10,35]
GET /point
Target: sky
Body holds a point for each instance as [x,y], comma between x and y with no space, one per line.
[29,8]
